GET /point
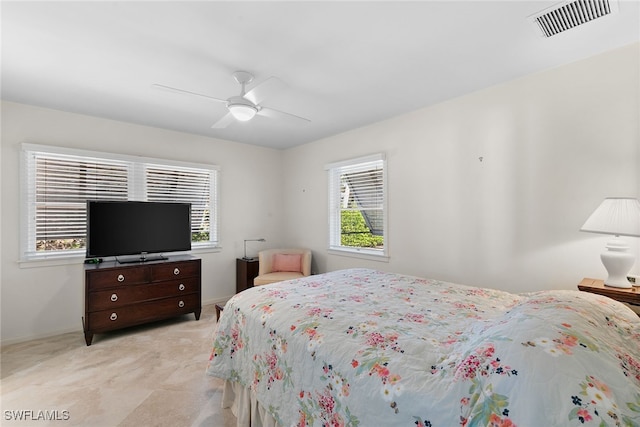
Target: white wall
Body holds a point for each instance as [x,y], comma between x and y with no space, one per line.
[553,145]
[42,300]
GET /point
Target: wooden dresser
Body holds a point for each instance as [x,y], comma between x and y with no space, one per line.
[121,295]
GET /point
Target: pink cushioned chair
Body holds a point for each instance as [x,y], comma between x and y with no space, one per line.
[277,265]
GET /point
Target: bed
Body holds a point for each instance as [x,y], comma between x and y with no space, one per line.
[362,347]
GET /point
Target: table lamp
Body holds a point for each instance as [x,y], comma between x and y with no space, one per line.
[618,216]
[245,246]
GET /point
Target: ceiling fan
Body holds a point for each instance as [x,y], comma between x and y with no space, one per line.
[245,106]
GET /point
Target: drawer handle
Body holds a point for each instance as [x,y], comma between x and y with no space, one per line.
[176,271]
[181,304]
[120,278]
[114,297]
[113,317]
[181,287]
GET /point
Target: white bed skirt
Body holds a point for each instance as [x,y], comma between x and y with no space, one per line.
[244,405]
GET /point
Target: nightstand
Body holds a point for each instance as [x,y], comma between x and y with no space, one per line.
[246,271]
[629,296]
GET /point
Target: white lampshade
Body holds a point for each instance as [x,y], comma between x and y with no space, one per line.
[242,112]
[620,217]
[615,215]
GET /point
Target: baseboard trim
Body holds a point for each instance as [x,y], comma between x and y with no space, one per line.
[10,341]
[222,301]
[18,340]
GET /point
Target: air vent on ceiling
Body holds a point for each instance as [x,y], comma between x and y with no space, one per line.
[569,15]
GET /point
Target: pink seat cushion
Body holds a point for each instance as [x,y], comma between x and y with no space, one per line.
[287,262]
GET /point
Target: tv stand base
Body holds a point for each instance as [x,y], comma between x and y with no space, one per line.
[141,258]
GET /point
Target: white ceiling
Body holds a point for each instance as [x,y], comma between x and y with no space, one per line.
[346,64]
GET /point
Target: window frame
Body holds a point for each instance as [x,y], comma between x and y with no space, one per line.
[334,171]
[137,190]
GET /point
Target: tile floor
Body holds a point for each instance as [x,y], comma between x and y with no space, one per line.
[152,375]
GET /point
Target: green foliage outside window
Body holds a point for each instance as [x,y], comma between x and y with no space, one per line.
[68,244]
[60,244]
[355,233]
[201,236]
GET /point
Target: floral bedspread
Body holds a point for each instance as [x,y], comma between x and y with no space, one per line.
[366,348]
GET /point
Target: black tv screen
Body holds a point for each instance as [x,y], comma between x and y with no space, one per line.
[137,228]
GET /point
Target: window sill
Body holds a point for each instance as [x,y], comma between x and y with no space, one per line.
[51,261]
[361,254]
[205,249]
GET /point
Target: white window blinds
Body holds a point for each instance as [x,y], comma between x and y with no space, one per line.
[57,183]
[185,185]
[357,205]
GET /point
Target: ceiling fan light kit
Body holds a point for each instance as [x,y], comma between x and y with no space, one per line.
[242,113]
[241,109]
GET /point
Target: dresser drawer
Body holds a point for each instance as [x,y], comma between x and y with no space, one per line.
[101,279]
[168,271]
[125,295]
[130,315]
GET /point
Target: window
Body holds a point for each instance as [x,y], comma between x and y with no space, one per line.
[57,182]
[357,206]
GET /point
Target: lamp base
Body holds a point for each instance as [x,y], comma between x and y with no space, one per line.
[616,284]
[618,262]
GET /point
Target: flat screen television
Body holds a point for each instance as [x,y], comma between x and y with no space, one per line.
[145,229]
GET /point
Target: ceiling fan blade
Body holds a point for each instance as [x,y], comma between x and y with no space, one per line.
[264,90]
[224,121]
[186,92]
[277,114]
